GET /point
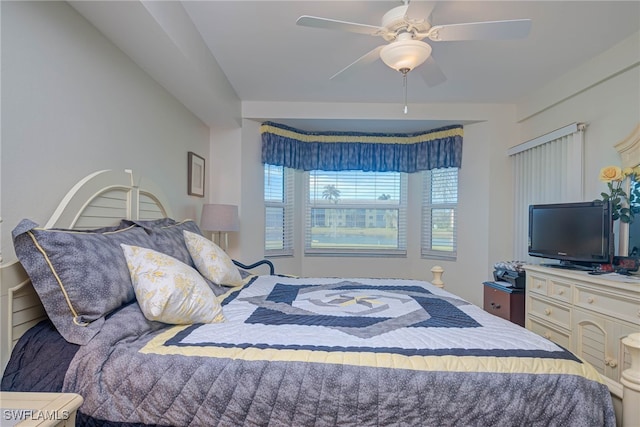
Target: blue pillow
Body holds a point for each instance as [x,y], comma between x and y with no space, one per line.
[80,276]
[166,236]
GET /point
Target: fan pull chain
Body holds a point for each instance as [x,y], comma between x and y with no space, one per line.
[404,83]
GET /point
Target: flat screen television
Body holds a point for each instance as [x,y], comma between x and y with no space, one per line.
[577,234]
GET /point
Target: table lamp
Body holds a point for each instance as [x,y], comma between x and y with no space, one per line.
[220,219]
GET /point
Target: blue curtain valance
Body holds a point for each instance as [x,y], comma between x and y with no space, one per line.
[335,151]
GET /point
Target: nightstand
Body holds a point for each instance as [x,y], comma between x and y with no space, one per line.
[25,409]
[505,302]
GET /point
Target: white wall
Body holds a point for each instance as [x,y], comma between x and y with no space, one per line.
[604,93]
[72,103]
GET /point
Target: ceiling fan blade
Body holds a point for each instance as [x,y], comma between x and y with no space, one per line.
[420,9]
[334,24]
[361,62]
[431,72]
[491,30]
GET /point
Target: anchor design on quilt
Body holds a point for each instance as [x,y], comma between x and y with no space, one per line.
[357,309]
[365,300]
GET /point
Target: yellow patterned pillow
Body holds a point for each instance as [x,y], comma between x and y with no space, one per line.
[170,291]
[211,261]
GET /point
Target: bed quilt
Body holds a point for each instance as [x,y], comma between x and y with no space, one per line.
[334,351]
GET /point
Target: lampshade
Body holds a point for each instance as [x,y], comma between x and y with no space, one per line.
[219,218]
[405,54]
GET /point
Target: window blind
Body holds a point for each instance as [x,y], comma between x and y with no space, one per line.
[278,201]
[548,169]
[350,212]
[439,213]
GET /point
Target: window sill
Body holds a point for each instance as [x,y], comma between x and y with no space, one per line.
[440,257]
[286,254]
[354,253]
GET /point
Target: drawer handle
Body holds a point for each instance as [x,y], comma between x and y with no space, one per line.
[561,292]
[538,285]
[610,362]
[495,306]
[590,300]
[547,311]
[547,335]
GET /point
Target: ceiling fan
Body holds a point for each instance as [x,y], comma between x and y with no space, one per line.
[404,33]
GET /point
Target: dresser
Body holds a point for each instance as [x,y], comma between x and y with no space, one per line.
[588,314]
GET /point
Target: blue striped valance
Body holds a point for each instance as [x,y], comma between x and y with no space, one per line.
[379,152]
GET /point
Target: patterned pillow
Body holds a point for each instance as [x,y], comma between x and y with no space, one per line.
[211,261]
[170,291]
[166,236]
[80,276]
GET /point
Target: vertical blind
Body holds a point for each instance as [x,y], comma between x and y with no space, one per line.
[548,169]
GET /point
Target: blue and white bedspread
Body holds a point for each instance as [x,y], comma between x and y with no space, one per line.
[326,352]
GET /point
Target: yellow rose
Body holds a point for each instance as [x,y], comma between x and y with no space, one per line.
[636,173]
[611,173]
[626,172]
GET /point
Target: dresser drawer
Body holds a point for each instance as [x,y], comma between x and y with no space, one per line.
[497,303]
[551,312]
[612,305]
[559,290]
[537,284]
[552,334]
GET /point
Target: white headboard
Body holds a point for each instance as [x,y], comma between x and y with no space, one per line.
[99,200]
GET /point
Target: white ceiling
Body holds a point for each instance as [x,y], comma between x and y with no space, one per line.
[267,57]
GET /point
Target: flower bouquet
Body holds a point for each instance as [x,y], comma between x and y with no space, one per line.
[623,206]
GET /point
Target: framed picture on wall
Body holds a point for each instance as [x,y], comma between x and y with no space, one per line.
[195,175]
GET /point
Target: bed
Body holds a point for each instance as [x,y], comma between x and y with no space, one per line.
[267,349]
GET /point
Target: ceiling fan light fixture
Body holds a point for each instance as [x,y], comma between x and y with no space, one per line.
[405,54]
